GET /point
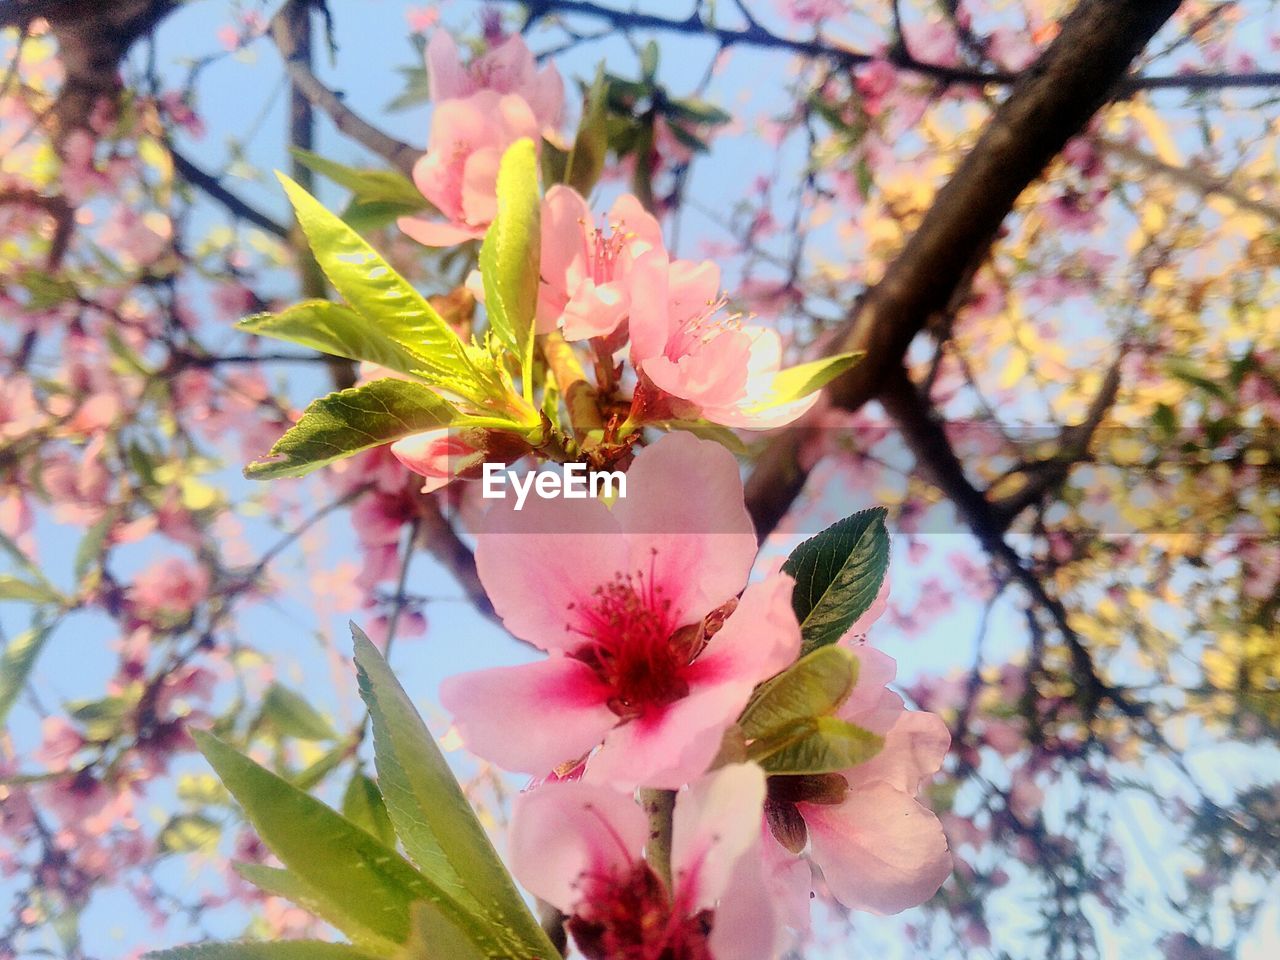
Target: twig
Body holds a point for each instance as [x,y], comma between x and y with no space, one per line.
[212,186]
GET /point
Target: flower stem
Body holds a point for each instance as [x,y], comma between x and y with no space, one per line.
[660,806]
[579,395]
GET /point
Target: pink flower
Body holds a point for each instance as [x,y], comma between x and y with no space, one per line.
[589,275]
[879,849]
[507,68]
[168,589]
[445,455]
[578,847]
[707,364]
[650,650]
[459,172]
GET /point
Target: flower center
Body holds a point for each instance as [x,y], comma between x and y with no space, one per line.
[632,645]
[630,917]
[702,328]
[604,249]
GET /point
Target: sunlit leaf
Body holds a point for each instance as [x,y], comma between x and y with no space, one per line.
[813,686]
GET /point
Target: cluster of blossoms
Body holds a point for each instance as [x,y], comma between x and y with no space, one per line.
[655,642]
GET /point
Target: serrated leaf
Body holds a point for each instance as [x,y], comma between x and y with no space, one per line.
[359,881]
[349,421]
[334,329]
[387,186]
[815,685]
[16,664]
[285,884]
[793,383]
[838,573]
[816,745]
[379,294]
[289,715]
[188,833]
[431,815]
[510,254]
[362,804]
[14,588]
[279,950]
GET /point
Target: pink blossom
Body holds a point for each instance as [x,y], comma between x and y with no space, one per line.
[459,172]
[508,68]
[810,11]
[650,650]
[444,455]
[422,19]
[578,846]
[878,848]
[589,275]
[168,589]
[704,363]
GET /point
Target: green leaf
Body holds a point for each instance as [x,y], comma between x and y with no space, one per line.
[838,574]
[289,715]
[434,934]
[803,379]
[103,718]
[334,329]
[285,884]
[382,296]
[816,745]
[435,822]
[815,685]
[91,544]
[510,254]
[344,423]
[189,832]
[382,185]
[362,804]
[16,664]
[362,884]
[591,144]
[12,588]
[246,950]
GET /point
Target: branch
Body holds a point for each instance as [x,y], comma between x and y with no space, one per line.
[443,543]
[757,36]
[1051,103]
[213,187]
[400,155]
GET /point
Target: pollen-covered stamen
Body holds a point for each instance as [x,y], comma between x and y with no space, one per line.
[703,327]
[633,644]
[604,249]
[629,916]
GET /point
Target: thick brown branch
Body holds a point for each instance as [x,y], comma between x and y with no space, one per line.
[1051,103]
[397,153]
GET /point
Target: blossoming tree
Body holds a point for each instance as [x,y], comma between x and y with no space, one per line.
[994,269]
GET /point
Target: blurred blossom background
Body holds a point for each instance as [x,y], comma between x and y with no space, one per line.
[1080,463]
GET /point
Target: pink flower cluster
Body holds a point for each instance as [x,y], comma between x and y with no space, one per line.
[655,641]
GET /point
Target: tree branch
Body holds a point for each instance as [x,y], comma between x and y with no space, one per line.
[757,36]
[212,186]
[442,542]
[400,155]
[1052,101]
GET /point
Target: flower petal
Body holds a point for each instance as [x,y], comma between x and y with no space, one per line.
[914,749]
[562,831]
[880,850]
[760,638]
[532,717]
[716,822]
[432,233]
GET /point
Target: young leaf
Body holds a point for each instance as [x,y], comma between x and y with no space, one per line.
[362,804]
[434,934]
[334,329]
[838,574]
[279,950]
[590,146]
[12,588]
[16,664]
[285,884]
[289,715]
[356,878]
[816,745]
[510,254]
[388,186]
[803,379]
[189,832]
[378,293]
[344,423]
[432,817]
[813,686]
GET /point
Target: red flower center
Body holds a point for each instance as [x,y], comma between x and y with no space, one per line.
[630,917]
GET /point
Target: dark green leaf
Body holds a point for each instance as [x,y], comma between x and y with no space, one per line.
[838,574]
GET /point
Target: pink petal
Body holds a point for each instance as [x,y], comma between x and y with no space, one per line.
[446,78]
[747,924]
[866,705]
[594,311]
[541,563]
[628,214]
[716,822]
[790,882]
[914,749]
[529,718]
[480,186]
[670,748]
[880,850]
[761,637]
[684,517]
[650,321]
[431,233]
[562,831]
